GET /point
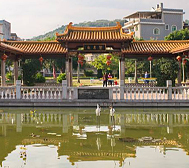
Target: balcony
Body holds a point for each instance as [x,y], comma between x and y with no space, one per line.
[141,20]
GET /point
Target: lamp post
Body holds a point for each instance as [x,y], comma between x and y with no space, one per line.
[179,59]
[150,59]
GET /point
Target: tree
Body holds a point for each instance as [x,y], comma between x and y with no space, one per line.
[101,63]
[165,69]
[178,35]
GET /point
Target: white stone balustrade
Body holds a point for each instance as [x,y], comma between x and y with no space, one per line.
[115,93]
[7,92]
[40,92]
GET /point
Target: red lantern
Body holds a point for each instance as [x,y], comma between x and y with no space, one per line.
[184,61]
[4,57]
[109,57]
[41,59]
[150,58]
[108,62]
[179,58]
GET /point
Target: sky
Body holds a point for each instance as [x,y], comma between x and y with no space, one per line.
[31,18]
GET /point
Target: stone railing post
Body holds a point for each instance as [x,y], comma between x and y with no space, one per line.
[110,93]
[122,87]
[64,89]
[75,92]
[169,89]
[18,89]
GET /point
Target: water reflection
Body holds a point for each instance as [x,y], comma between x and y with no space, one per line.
[81,137]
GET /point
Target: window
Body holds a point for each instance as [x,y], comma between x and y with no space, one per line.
[156,31]
[174,28]
[166,27]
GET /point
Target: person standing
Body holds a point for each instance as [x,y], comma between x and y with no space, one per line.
[146,76]
[105,79]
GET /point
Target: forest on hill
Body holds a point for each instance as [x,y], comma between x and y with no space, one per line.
[60,30]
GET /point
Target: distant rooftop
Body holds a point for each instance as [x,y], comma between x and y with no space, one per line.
[154,11]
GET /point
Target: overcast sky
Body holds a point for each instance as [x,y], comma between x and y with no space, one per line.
[31,18]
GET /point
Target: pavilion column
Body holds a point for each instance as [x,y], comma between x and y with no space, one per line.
[122,70]
[179,74]
[3,72]
[15,71]
[136,79]
[69,71]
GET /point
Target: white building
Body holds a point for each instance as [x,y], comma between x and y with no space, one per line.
[154,24]
[5,30]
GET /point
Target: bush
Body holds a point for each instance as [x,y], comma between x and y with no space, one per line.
[61,77]
[88,73]
[9,76]
[39,78]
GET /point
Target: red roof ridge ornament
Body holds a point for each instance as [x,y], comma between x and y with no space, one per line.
[119,25]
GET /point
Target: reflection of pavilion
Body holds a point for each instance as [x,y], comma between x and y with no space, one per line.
[83,141]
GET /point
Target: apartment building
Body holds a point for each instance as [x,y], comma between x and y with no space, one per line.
[154,24]
[5,30]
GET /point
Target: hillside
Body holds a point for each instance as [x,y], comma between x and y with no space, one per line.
[97,23]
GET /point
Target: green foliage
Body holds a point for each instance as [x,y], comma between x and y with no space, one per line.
[139,39]
[60,64]
[165,69]
[99,73]
[9,75]
[142,67]
[88,73]
[20,77]
[178,35]
[61,77]
[30,69]
[39,78]
[100,63]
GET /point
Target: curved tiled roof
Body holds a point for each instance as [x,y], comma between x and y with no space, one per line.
[156,47]
[93,34]
[9,48]
[180,49]
[38,47]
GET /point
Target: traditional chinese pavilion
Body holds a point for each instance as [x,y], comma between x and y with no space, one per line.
[76,40]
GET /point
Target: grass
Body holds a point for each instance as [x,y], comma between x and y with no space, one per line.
[87,82]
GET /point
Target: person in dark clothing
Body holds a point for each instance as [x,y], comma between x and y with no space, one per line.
[105,79]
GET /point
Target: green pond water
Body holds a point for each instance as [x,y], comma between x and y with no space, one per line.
[76,138]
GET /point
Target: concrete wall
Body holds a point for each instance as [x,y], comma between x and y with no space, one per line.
[147,31]
[172,19]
